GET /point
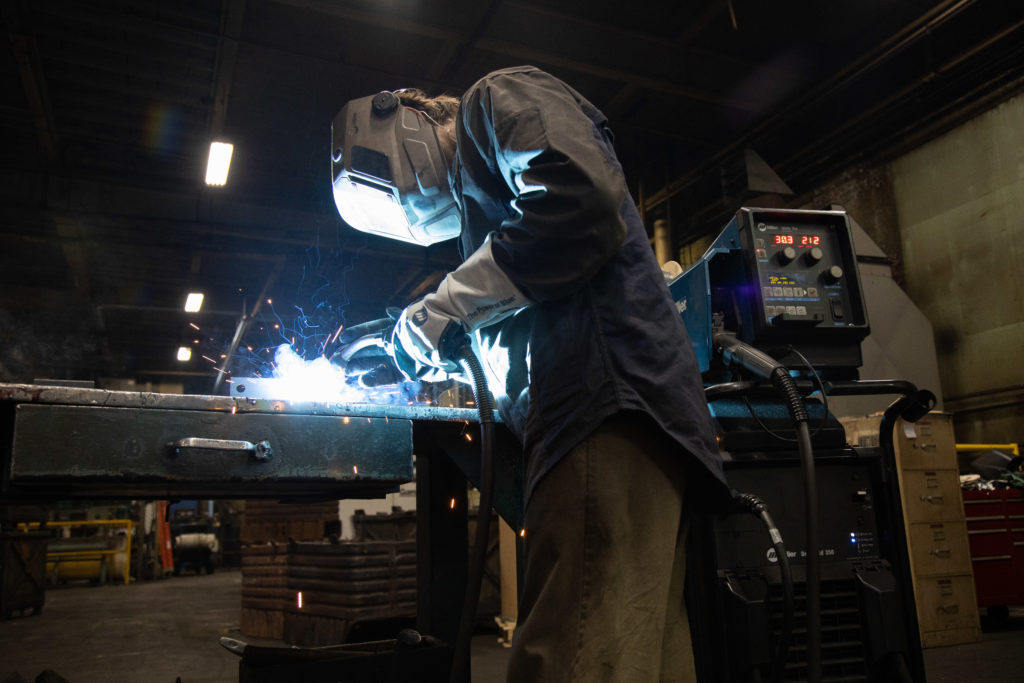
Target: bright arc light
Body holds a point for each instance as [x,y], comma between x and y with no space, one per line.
[184,353]
[219,162]
[193,302]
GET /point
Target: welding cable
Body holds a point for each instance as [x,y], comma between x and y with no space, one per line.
[736,352]
[754,504]
[485,406]
[798,412]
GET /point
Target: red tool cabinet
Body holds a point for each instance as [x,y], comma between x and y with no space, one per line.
[995,530]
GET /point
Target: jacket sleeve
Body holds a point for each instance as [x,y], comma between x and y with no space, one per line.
[566,186]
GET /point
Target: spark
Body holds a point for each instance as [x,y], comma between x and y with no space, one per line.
[234,409]
[451,504]
[355,469]
[193,325]
[340,328]
[210,359]
[299,599]
[522,533]
[345,420]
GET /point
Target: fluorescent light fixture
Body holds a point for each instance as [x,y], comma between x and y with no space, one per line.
[193,302]
[184,353]
[218,163]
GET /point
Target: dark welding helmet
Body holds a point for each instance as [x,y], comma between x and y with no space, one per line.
[389,173]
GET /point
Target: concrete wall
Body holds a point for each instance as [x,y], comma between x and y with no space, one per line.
[960,203]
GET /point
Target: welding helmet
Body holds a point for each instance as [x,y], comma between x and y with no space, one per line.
[389,173]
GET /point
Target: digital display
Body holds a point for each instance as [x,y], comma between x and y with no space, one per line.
[797,240]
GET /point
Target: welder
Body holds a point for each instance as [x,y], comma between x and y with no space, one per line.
[585,352]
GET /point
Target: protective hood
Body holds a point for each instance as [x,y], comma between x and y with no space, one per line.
[389,173]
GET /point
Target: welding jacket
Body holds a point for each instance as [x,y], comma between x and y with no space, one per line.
[535,166]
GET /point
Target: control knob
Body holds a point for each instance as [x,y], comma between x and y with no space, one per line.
[787,255]
[814,255]
[833,275]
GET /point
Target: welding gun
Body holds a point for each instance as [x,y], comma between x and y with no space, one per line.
[365,351]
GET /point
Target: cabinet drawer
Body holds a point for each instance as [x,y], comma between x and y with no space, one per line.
[931,495]
[926,444]
[946,603]
[939,548]
[157,452]
[990,539]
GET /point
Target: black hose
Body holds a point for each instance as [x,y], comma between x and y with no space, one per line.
[782,380]
[485,407]
[813,560]
[757,506]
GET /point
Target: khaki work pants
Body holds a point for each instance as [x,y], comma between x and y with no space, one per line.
[604,570]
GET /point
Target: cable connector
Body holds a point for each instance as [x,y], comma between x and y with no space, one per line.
[752,503]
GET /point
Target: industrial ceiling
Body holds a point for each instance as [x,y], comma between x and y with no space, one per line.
[109,107]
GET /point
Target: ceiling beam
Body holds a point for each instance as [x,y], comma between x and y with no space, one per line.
[660,85]
[33,82]
[395,22]
[872,59]
[452,55]
[227,54]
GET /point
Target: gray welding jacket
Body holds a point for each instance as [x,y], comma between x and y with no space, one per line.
[536,166]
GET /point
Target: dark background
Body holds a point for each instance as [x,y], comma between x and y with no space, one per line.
[108,108]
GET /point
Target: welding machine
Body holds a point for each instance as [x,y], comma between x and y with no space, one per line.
[775,304]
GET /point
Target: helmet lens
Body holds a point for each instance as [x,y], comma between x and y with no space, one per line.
[370,209]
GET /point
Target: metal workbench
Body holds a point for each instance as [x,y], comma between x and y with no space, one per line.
[67,442]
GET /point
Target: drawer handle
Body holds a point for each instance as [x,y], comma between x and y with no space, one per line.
[925,446]
[260,450]
[939,552]
[949,609]
[937,500]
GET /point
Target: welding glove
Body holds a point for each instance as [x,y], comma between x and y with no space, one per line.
[430,332]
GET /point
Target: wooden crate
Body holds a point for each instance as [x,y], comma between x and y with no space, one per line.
[345,583]
[264,589]
[270,521]
[341,584]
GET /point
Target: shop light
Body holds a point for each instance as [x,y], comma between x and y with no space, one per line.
[193,302]
[219,162]
[184,353]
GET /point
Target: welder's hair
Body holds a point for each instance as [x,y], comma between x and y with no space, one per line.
[441,108]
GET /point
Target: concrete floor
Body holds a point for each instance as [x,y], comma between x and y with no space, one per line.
[162,630]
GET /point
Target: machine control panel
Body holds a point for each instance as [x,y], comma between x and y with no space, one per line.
[779,279]
[800,272]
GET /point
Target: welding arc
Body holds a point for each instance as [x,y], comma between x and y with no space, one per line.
[485,406]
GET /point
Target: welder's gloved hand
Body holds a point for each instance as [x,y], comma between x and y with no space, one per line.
[430,332]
